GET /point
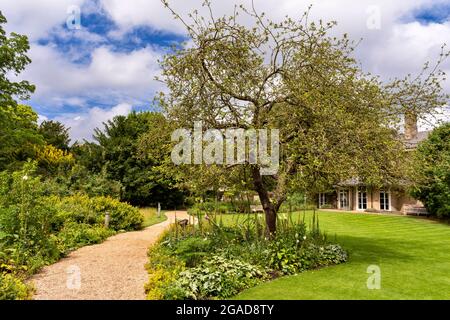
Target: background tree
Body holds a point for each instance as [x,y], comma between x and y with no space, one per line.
[13,60]
[335,121]
[431,172]
[18,123]
[89,155]
[55,133]
[53,161]
[143,182]
[19,136]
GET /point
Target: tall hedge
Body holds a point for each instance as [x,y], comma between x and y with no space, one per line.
[432,172]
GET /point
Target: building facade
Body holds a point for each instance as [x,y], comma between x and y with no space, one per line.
[353,195]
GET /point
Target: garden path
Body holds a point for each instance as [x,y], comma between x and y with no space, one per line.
[112,270]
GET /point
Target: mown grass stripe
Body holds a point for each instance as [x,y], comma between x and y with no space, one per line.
[413,254]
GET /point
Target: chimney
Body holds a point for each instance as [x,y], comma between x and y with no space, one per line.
[410,125]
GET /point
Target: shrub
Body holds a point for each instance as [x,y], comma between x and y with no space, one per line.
[26,218]
[37,229]
[123,215]
[332,254]
[297,202]
[160,257]
[215,277]
[164,270]
[220,207]
[199,261]
[430,172]
[74,236]
[83,209]
[12,288]
[193,250]
[285,259]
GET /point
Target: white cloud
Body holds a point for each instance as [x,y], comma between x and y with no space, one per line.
[112,75]
[82,124]
[399,47]
[36,18]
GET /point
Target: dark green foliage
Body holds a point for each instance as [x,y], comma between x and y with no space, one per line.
[18,136]
[80,180]
[37,228]
[217,259]
[88,155]
[216,277]
[12,288]
[139,172]
[193,250]
[13,60]
[55,133]
[431,173]
[75,235]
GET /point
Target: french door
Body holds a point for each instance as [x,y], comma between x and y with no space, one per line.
[362,199]
[343,199]
[384,201]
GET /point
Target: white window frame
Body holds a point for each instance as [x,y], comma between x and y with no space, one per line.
[359,197]
[388,193]
[346,193]
[322,199]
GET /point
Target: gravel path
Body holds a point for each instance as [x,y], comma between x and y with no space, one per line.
[112,270]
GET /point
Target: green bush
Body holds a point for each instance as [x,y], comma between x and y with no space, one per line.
[218,261]
[12,288]
[26,219]
[164,269]
[430,172]
[297,202]
[83,209]
[36,229]
[220,207]
[75,235]
[193,250]
[215,277]
[332,254]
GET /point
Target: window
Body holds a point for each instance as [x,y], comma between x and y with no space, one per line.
[343,199]
[384,200]
[362,199]
[322,199]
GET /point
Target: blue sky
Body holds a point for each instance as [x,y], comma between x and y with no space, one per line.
[106,68]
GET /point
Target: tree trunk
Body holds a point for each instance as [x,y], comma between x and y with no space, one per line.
[269,209]
[271,221]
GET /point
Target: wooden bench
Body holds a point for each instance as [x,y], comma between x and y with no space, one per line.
[417,211]
[256,208]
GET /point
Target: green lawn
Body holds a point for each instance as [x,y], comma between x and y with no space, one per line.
[413,254]
[151,217]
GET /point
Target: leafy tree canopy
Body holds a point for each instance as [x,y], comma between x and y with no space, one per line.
[55,133]
[336,122]
[143,182]
[18,135]
[13,59]
[431,171]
